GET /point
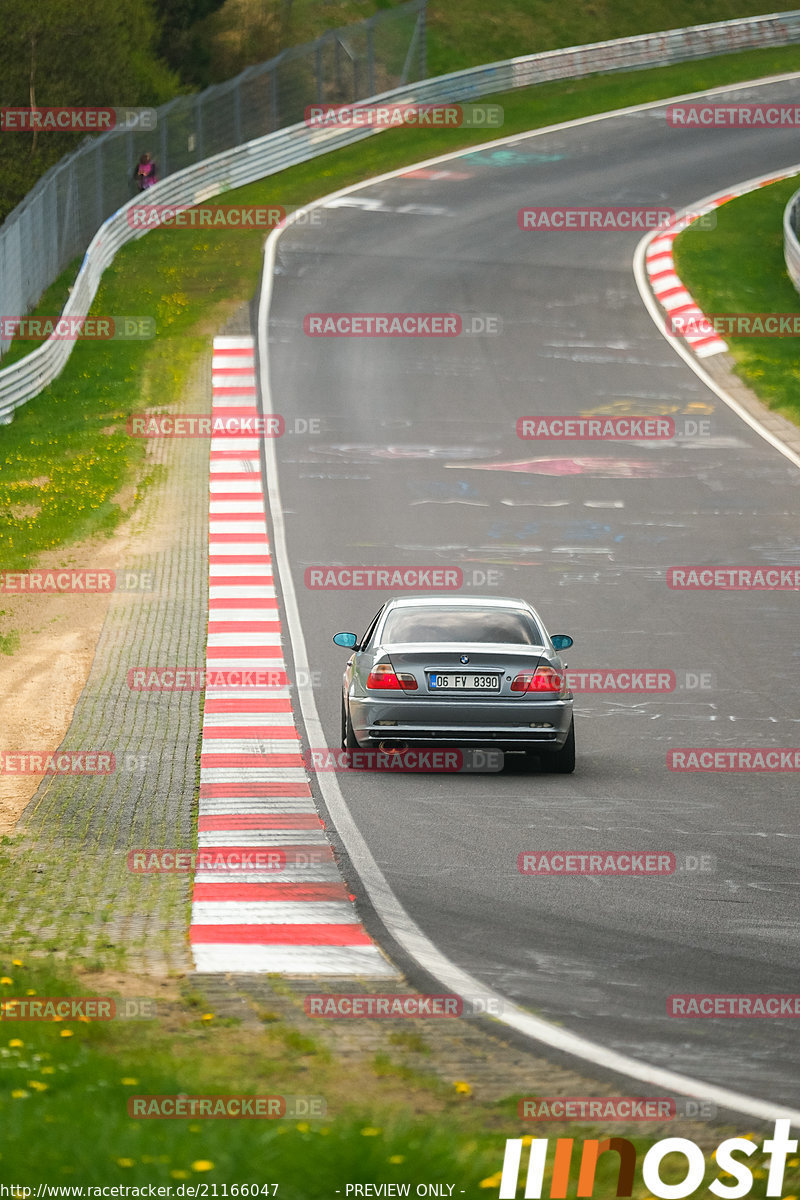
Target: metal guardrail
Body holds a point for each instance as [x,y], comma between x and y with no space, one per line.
[298,143]
[791,242]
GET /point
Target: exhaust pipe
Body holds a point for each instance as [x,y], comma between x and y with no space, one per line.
[392,747]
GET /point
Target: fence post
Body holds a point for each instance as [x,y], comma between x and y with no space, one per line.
[274,99]
[371,88]
[237,114]
[318,66]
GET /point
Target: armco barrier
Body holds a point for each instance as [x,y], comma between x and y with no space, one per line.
[297,143]
[791,244]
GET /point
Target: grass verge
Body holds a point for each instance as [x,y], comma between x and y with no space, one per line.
[738,267]
[65,1087]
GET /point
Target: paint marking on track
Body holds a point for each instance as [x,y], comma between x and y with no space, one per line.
[256,807]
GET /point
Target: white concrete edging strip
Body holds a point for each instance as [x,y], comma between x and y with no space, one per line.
[397,921]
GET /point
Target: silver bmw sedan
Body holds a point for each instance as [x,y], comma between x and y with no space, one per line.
[459,671]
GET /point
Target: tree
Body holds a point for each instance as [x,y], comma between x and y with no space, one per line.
[57,53]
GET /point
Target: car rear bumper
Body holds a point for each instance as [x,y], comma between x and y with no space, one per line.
[515,725]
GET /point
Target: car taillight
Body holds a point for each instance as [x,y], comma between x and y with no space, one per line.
[384,677]
[543,679]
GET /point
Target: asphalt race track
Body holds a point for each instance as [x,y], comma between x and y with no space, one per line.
[418,464]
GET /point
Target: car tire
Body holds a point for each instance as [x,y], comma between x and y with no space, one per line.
[348,736]
[562,762]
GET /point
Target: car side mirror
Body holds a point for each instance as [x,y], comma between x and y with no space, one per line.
[561,641]
[348,640]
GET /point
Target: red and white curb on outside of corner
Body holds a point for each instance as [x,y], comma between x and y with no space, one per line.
[667,285]
[254,790]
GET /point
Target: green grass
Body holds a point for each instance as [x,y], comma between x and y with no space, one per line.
[66,457]
[65,1086]
[739,268]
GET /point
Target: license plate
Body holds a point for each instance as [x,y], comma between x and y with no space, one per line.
[464,683]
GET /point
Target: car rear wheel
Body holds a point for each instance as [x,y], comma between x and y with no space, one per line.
[348,736]
[562,762]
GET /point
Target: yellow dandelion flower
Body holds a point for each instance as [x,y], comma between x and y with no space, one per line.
[31,992]
[794,1162]
[371,1131]
[129,1081]
[178,1174]
[528,1138]
[37,1085]
[207,1017]
[397,1158]
[19,1094]
[303,1127]
[16,962]
[202,1164]
[125,1162]
[66,1033]
[491,1180]
[194,1128]
[6,979]
[15,1043]
[48,1070]
[462,1087]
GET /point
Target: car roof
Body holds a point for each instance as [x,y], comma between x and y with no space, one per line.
[456,601]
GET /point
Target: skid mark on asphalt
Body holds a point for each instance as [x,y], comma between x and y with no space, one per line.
[286,910]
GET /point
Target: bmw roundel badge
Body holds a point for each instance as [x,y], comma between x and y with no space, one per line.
[464,658]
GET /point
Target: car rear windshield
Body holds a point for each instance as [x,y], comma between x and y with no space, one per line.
[461,625]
